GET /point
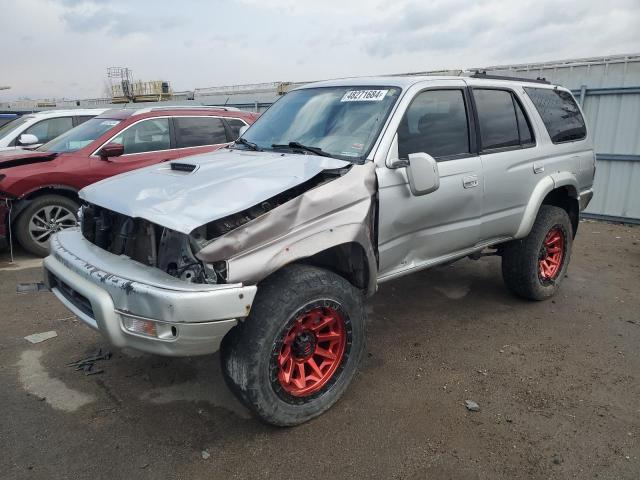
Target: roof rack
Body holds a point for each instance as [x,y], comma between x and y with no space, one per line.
[484,74]
[185,107]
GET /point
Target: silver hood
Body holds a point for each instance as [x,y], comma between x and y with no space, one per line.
[222,183]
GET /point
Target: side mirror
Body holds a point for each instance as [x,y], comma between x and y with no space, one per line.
[423,174]
[27,139]
[111,150]
[243,129]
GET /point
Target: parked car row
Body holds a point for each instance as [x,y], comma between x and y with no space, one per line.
[267,249]
[39,188]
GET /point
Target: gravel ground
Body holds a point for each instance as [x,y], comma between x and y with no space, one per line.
[557,384]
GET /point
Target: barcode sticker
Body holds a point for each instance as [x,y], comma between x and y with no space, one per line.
[364,96]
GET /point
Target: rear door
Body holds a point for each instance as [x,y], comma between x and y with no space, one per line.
[416,231]
[509,159]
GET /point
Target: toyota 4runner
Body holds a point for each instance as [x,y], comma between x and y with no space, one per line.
[267,249]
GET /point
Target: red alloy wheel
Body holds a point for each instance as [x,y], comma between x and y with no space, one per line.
[312,351]
[552,254]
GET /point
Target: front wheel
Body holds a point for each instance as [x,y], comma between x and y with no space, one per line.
[534,266]
[298,350]
[43,217]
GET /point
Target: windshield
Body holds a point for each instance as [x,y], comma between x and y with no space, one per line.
[80,136]
[13,124]
[341,121]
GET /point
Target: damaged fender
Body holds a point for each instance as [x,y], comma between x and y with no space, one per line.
[335,213]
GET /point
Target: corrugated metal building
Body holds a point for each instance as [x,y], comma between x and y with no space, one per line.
[608,89]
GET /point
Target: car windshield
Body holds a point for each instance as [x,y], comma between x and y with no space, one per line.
[80,136]
[342,122]
[13,124]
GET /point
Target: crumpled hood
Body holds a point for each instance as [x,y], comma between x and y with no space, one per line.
[222,183]
[16,158]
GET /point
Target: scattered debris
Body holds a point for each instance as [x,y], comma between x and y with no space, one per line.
[472,406]
[33,287]
[557,459]
[87,364]
[205,454]
[41,337]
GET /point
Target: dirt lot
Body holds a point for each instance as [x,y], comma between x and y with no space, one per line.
[557,383]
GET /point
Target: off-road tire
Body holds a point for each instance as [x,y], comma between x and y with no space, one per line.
[520,258]
[21,226]
[247,352]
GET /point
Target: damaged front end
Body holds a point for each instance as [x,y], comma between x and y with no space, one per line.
[333,208]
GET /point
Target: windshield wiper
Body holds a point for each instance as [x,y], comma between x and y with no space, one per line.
[249,144]
[298,145]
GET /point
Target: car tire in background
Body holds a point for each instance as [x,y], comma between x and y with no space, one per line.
[533,267]
[44,216]
[299,348]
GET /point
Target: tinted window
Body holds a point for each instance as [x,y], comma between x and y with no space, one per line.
[497,118]
[49,129]
[435,123]
[524,129]
[235,125]
[147,136]
[196,131]
[83,118]
[559,113]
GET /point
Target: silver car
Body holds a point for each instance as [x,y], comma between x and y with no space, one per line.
[268,249]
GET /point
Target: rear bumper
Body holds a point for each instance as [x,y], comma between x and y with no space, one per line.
[106,291]
[585,198]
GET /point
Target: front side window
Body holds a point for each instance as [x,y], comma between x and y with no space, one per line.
[51,128]
[235,125]
[560,114]
[79,137]
[197,131]
[146,136]
[435,123]
[343,122]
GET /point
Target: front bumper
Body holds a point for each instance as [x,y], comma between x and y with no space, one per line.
[104,290]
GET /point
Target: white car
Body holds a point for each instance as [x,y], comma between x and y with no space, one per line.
[34,129]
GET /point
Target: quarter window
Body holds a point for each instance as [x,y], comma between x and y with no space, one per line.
[197,131]
[560,114]
[51,128]
[435,123]
[147,136]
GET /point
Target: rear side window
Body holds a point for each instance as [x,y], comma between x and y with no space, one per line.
[502,121]
[83,118]
[435,123]
[235,125]
[560,114]
[197,131]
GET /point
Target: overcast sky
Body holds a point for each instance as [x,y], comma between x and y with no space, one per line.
[62,48]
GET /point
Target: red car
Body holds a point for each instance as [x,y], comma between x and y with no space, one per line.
[38,189]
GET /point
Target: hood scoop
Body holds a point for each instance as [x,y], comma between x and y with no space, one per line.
[183,167]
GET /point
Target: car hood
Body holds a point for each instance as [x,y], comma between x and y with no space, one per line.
[221,183]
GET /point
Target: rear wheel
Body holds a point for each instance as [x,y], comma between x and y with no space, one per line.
[298,350]
[534,266]
[43,217]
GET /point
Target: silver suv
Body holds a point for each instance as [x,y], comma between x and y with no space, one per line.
[267,249]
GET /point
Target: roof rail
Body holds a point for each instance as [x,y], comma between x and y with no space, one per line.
[484,74]
[185,107]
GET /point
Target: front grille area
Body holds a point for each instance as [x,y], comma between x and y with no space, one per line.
[120,234]
[79,301]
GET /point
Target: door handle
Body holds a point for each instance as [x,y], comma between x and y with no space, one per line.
[470,181]
[538,167]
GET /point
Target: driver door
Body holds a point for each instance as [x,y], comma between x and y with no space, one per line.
[418,231]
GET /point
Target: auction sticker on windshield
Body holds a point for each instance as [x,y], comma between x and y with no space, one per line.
[364,96]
